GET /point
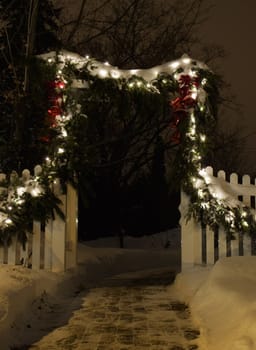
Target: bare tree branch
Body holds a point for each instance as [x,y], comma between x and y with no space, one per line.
[77,21]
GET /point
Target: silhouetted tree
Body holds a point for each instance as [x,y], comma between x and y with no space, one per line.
[27,28]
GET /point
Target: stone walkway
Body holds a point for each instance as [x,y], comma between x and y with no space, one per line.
[128,311]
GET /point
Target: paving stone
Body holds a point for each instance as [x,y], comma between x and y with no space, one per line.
[178,306]
[191,334]
[193,347]
[176,347]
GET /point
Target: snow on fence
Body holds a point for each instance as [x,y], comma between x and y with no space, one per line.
[51,246]
[204,246]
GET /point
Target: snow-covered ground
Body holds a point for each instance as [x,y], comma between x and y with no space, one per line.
[222,299]
[223,302]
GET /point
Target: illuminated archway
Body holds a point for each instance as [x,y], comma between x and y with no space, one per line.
[193,96]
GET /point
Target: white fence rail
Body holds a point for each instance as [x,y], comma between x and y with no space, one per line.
[201,245]
[51,246]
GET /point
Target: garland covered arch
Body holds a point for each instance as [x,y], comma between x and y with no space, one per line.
[192,95]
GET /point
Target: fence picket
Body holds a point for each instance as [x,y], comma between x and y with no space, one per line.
[188,236]
[236,248]
[210,257]
[36,245]
[222,243]
[209,170]
[218,244]
[53,245]
[221,174]
[48,245]
[1,255]
[71,222]
[246,198]
[59,234]
[14,252]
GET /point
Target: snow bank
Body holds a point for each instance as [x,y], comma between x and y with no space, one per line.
[165,239]
[18,288]
[99,262]
[223,302]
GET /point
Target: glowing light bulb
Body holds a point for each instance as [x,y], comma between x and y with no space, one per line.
[61,85]
[204,81]
[133,71]
[193,131]
[192,73]
[64,133]
[156,71]
[20,191]
[103,73]
[202,138]
[35,192]
[192,118]
[245,224]
[8,221]
[61,150]
[175,64]
[186,60]
[115,74]
[200,193]
[194,95]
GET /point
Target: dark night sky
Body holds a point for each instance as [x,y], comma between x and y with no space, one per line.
[232,25]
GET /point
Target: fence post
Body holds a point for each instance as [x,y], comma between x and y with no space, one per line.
[210,242]
[48,245]
[14,251]
[36,245]
[191,238]
[236,246]
[246,181]
[59,233]
[71,227]
[1,254]
[26,254]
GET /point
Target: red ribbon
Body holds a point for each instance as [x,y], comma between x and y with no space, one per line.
[181,104]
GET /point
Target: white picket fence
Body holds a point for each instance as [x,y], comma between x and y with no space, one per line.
[51,246]
[203,246]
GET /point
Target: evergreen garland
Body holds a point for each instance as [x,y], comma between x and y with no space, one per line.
[25,199]
[195,124]
[180,107]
